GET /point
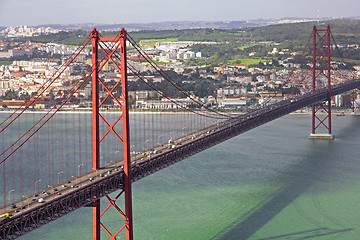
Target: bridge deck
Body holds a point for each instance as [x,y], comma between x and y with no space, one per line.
[66,197]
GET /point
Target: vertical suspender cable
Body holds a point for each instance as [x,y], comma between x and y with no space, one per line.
[4,171]
[21,163]
[72,132]
[86,142]
[52,150]
[79,137]
[152,112]
[62,148]
[35,148]
[50,159]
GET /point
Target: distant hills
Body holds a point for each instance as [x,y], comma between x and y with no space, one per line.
[180,25]
[175,25]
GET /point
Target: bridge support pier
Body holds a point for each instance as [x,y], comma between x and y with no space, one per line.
[321,136]
[321,114]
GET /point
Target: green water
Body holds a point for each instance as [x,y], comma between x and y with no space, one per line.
[269,183]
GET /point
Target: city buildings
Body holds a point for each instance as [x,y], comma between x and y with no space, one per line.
[243,85]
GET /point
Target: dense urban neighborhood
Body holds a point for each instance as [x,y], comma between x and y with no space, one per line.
[248,74]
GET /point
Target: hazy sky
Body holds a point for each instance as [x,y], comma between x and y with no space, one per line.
[36,12]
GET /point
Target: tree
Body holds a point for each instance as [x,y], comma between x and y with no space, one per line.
[52,96]
[10,95]
[24,96]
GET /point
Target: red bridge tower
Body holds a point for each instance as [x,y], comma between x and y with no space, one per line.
[321,75]
[111,47]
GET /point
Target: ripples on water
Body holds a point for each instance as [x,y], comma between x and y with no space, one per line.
[269,183]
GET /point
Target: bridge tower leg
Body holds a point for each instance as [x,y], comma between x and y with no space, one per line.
[95,127]
[118,47]
[321,115]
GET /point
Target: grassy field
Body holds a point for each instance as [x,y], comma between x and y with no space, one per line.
[247,46]
[345,60]
[160,63]
[6,62]
[249,61]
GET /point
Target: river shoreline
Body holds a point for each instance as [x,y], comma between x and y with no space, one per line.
[337,112]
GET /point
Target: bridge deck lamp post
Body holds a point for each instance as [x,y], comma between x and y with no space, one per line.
[11,191]
[183,130]
[159,139]
[170,134]
[39,180]
[62,172]
[132,146]
[79,167]
[145,144]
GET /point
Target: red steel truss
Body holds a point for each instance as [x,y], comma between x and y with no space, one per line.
[321,70]
[118,44]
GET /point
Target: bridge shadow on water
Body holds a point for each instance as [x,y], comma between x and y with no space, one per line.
[314,168]
[319,232]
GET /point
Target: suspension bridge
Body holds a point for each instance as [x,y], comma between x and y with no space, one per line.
[45,155]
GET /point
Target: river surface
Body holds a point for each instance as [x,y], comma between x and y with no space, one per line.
[269,183]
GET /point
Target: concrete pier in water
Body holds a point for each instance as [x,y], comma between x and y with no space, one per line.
[326,136]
